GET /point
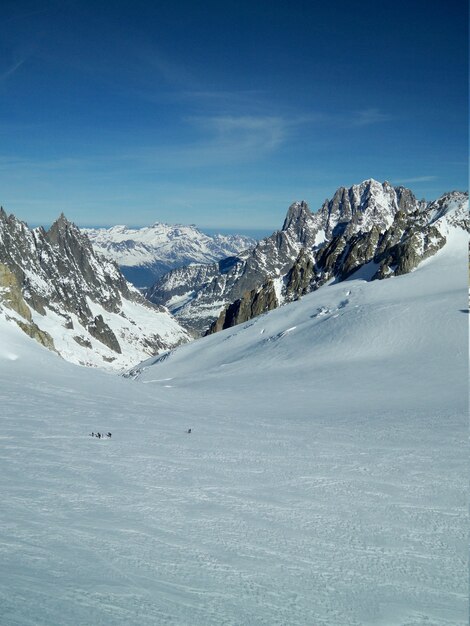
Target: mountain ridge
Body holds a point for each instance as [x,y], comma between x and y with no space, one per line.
[63,294]
[339,238]
[144,254]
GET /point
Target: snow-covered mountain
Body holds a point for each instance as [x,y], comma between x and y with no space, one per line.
[145,254]
[324,481]
[380,252]
[74,301]
[368,223]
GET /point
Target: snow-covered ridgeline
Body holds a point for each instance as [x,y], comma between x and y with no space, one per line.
[161,247]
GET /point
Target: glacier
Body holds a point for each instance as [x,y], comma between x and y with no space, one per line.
[324,481]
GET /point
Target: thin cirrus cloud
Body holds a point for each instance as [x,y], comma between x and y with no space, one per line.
[417,179]
[11,70]
[211,141]
[266,131]
[223,139]
[219,140]
[368,117]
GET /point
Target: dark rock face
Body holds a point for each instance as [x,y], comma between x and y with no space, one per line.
[409,240]
[298,280]
[252,304]
[368,223]
[405,256]
[83,342]
[101,331]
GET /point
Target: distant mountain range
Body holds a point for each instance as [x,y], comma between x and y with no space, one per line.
[146,254]
[59,290]
[381,229]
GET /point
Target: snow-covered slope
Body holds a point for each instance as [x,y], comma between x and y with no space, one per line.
[324,481]
[75,301]
[145,254]
[398,325]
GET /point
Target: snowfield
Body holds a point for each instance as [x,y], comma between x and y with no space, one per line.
[324,481]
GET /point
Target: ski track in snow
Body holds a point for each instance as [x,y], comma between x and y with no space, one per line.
[324,481]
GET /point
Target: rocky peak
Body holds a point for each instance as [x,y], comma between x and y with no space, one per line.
[298,213]
[64,233]
[57,275]
[363,206]
[301,223]
[406,200]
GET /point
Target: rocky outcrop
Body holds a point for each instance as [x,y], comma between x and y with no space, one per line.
[251,304]
[85,343]
[299,278]
[11,293]
[13,300]
[410,239]
[101,331]
[405,256]
[33,331]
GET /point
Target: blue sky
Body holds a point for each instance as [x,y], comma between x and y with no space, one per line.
[223,113]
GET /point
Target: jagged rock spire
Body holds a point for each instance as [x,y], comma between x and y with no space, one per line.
[298,212]
[57,274]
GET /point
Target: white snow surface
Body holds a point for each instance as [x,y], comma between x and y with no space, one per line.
[324,481]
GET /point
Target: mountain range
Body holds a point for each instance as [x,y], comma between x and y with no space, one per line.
[61,291]
[146,254]
[381,229]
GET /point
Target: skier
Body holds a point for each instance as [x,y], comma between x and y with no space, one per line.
[189,431]
[109,435]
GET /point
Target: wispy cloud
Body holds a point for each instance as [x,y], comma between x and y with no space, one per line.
[219,140]
[11,70]
[237,132]
[417,179]
[367,117]
[210,141]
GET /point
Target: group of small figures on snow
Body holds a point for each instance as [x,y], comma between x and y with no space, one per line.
[101,435]
[109,435]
